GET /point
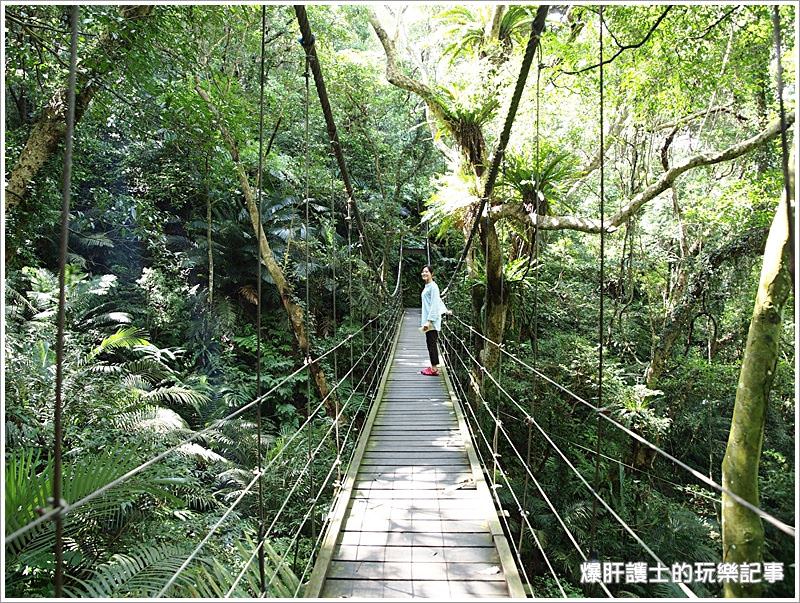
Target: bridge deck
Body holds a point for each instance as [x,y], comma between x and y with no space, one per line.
[415,517]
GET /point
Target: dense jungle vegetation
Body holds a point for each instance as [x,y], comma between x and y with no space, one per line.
[162,282]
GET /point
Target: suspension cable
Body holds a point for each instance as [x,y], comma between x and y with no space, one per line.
[534,257]
[334,259]
[336,464]
[58,428]
[526,466]
[238,499]
[352,454]
[309,44]
[783,527]
[307,150]
[599,426]
[523,513]
[297,483]
[686,590]
[259,449]
[69,507]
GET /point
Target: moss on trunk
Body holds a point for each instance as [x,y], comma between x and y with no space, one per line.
[742,530]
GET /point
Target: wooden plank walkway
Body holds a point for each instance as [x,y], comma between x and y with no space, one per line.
[415,517]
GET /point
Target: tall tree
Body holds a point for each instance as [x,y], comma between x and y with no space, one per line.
[48,132]
[466,129]
[293,310]
[742,530]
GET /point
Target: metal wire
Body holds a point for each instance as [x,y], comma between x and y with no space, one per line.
[261,571]
[259,549]
[352,423]
[621,521]
[688,592]
[537,25]
[543,494]
[58,407]
[69,507]
[238,499]
[599,429]
[789,530]
[522,512]
[306,162]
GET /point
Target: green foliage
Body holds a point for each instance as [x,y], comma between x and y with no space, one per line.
[539,186]
[158,350]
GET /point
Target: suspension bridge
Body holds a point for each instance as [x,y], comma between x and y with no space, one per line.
[415,517]
[414,463]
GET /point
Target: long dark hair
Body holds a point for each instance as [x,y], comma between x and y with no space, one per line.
[429,267]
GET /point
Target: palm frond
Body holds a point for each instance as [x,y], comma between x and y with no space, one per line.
[125,338]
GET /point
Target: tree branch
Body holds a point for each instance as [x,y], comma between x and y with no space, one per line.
[592,225]
[697,114]
[625,47]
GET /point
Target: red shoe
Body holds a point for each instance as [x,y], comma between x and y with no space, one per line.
[429,372]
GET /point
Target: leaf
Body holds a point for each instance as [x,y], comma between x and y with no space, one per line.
[125,338]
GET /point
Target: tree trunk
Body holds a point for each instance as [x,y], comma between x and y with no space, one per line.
[209,240]
[684,310]
[293,309]
[742,530]
[47,134]
[496,298]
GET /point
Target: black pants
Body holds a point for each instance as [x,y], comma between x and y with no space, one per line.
[431,338]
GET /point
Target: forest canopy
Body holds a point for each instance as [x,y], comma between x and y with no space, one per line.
[250,209]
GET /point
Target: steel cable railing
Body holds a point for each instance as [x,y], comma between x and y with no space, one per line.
[677,486]
[239,498]
[530,475]
[325,525]
[69,507]
[523,513]
[686,590]
[385,336]
[783,527]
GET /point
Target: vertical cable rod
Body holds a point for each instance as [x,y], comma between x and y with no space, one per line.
[600,320]
[535,256]
[260,449]
[333,327]
[58,426]
[307,192]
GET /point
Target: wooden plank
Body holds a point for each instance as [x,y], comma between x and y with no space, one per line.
[413,469]
[369,589]
[422,554]
[440,539]
[422,457]
[405,589]
[399,570]
[413,438]
[418,519]
[463,506]
[369,523]
[507,563]
[397,513]
[397,446]
[415,494]
[430,476]
[317,578]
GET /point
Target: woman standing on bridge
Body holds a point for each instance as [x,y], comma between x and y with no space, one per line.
[433,309]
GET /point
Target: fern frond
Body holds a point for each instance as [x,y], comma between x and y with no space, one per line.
[175,394]
[140,573]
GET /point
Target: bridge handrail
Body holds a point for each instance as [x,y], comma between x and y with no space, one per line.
[783,527]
